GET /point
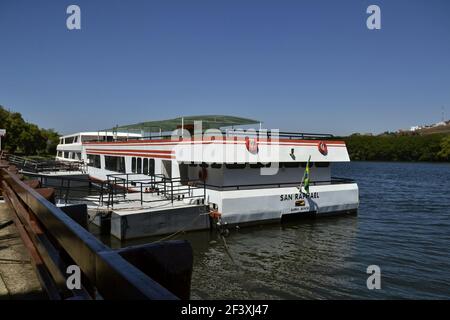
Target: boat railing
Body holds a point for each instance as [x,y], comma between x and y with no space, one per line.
[44,165]
[70,189]
[332,181]
[262,134]
[115,189]
[165,188]
[278,135]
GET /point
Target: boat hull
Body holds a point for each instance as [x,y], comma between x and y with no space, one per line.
[259,205]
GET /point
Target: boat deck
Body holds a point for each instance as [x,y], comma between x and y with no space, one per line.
[130,203]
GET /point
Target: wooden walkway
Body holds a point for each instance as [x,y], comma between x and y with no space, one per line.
[18,280]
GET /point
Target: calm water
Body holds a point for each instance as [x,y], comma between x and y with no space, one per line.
[403,226]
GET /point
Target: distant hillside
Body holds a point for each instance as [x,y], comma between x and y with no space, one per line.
[399,147]
[208,122]
[439,129]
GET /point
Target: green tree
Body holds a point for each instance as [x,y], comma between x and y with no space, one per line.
[26,137]
[444,153]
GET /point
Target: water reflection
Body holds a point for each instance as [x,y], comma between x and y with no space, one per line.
[403,225]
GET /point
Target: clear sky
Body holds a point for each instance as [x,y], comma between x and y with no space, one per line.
[295,65]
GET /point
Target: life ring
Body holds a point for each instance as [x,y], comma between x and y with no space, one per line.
[251,145]
[203,174]
[323,149]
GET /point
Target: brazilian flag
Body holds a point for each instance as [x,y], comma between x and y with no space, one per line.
[305,180]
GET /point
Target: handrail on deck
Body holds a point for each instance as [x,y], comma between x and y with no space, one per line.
[168,188]
[260,133]
[54,240]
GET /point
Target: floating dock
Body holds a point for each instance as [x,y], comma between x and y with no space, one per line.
[129,218]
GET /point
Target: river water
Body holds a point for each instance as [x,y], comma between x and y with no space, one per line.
[403,226]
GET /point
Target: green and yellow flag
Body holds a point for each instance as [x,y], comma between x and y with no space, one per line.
[305,180]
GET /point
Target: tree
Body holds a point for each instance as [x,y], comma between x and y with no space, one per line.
[26,137]
[444,153]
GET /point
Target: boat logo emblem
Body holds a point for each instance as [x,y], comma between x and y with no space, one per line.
[323,148]
[251,145]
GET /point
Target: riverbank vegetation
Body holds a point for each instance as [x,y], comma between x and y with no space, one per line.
[26,138]
[399,147]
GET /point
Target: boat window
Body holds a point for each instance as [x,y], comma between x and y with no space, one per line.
[235,165]
[69,140]
[133,165]
[139,165]
[204,165]
[151,167]
[115,164]
[94,160]
[145,165]
[192,164]
[322,164]
[256,165]
[216,165]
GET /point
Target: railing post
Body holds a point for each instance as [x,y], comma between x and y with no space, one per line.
[141,194]
[204,192]
[171,190]
[114,188]
[67,192]
[100,198]
[61,188]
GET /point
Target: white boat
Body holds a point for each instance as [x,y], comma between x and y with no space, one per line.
[242,176]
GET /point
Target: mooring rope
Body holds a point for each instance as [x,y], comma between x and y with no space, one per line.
[181,230]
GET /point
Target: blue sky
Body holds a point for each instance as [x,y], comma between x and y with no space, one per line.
[295,65]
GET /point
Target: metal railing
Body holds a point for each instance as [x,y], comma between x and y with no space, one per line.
[55,241]
[36,166]
[165,188]
[70,189]
[268,134]
[332,181]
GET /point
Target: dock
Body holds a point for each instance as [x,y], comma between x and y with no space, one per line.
[18,280]
[41,243]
